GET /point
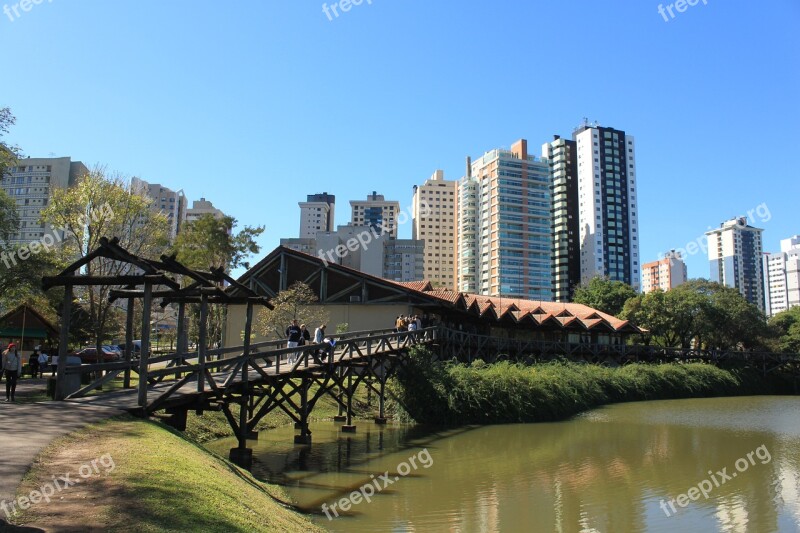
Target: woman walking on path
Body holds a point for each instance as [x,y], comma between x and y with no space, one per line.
[12,367]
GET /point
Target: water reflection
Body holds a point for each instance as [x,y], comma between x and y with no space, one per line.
[606,471]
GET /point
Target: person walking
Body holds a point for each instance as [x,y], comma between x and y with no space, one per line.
[319,336]
[42,363]
[293,336]
[12,367]
[33,363]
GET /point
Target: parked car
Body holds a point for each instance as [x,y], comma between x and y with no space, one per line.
[89,355]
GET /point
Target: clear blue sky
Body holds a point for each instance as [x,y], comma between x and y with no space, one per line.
[256,104]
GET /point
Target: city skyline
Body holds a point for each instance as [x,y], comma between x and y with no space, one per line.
[690,106]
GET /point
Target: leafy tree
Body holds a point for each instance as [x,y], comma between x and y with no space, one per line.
[103,205]
[699,313]
[786,326]
[9,216]
[210,242]
[604,295]
[297,302]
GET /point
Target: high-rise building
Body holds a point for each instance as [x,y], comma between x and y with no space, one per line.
[664,274]
[782,277]
[734,253]
[31,183]
[317,214]
[434,222]
[376,212]
[403,259]
[202,207]
[467,231]
[562,156]
[504,225]
[607,204]
[164,200]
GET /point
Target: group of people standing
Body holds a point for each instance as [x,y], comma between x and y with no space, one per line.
[407,323]
[298,335]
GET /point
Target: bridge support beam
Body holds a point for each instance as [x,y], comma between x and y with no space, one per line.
[349,427]
[305,435]
[340,417]
[382,375]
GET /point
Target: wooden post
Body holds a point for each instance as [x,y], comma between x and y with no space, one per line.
[349,427]
[144,356]
[201,344]
[340,417]
[129,341]
[248,328]
[381,397]
[305,435]
[284,280]
[63,339]
[181,345]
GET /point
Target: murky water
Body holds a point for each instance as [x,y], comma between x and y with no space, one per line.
[623,468]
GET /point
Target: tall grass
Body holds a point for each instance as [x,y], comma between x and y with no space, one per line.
[452,394]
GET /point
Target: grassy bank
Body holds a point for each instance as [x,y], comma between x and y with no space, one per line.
[450,394]
[150,478]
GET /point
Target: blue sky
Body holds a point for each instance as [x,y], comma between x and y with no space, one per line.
[256,104]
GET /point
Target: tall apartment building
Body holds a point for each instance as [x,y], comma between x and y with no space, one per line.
[734,254]
[562,155]
[31,183]
[609,225]
[202,207]
[403,259]
[664,274]
[164,200]
[317,214]
[434,222]
[375,212]
[504,225]
[782,277]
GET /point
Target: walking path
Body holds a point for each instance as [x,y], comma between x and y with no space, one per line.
[27,428]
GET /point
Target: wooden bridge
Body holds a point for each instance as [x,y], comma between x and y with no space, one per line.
[262,377]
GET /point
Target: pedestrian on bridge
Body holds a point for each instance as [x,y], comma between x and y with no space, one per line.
[319,337]
[12,368]
[293,335]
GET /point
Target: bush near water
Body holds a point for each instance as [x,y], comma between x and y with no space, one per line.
[507,392]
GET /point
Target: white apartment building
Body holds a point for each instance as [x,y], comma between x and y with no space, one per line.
[164,200]
[782,277]
[31,183]
[376,212]
[735,257]
[202,207]
[434,222]
[317,214]
[607,205]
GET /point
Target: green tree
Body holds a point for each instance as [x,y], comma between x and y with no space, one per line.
[103,205]
[210,242]
[786,326]
[604,295]
[297,302]
[9,216]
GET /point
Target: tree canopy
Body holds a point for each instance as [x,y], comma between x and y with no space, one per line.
[698,313]
[210,242]
[297,302]
[786,328]
[604,295]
